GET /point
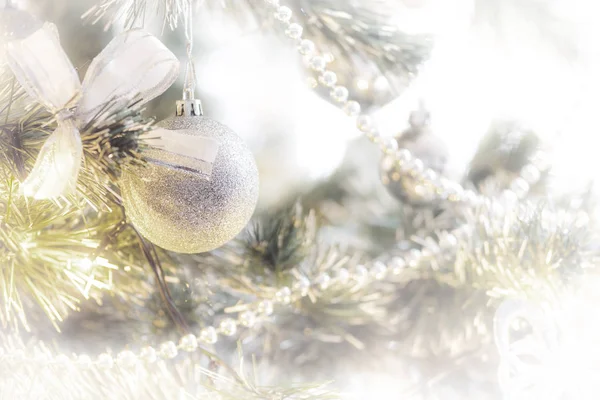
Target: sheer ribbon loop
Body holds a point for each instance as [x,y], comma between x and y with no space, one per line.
[134,67]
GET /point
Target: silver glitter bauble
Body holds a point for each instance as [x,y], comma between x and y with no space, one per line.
[182,210]
[424,145]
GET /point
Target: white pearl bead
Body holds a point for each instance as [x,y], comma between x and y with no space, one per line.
[105,361]
[364,123]
[228,327]
[541,160]
[328,78]
[188,342]
[404,155]
[284,295]
[306,47]
[247,318]
[323,281]
[417,167]
[302,285]
[446,187]
[294,31]
[352,108]
[374,137]
[339,94]
[388,163]
[378,270]
[389,145]
[460,191]
[62,359]
[360,274]
[283,14]
[84,361]
[531,174]
[208,335]
[397,265]
[265,307]
[342,276]
[126,359]
[472,197]
[509,198]
[414,257]
[520,187]
[148,354]
[317,63]
[448,241]
[426,252]
[168,350]
[430,175]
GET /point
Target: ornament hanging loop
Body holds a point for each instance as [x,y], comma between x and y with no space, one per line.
[189,106]
[189,86]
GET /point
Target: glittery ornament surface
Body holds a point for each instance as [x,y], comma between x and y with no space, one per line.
[183,209]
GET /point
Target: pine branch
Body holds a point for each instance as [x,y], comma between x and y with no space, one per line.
[533,255]
[111,140]
[135,12]
[52,250]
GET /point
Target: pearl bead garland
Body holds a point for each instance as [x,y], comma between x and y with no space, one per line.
[361,275]
[407,163]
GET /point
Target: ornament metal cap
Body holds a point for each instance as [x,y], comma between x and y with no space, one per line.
[189,108]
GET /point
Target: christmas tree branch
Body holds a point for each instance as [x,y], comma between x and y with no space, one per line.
[55,252]
[135,12]
[533,255]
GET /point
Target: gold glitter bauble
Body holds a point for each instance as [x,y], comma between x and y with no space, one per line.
[185,210]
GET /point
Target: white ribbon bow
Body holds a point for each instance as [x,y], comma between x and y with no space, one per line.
[135,66]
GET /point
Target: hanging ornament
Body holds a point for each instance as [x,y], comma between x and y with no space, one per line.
[503,152]
[199,187]
[134,67]
[369,43]
[426,146]
[195,202]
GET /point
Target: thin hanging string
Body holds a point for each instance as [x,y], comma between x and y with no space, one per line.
[189,86]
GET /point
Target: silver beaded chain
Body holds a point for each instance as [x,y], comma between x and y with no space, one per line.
[407,163]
